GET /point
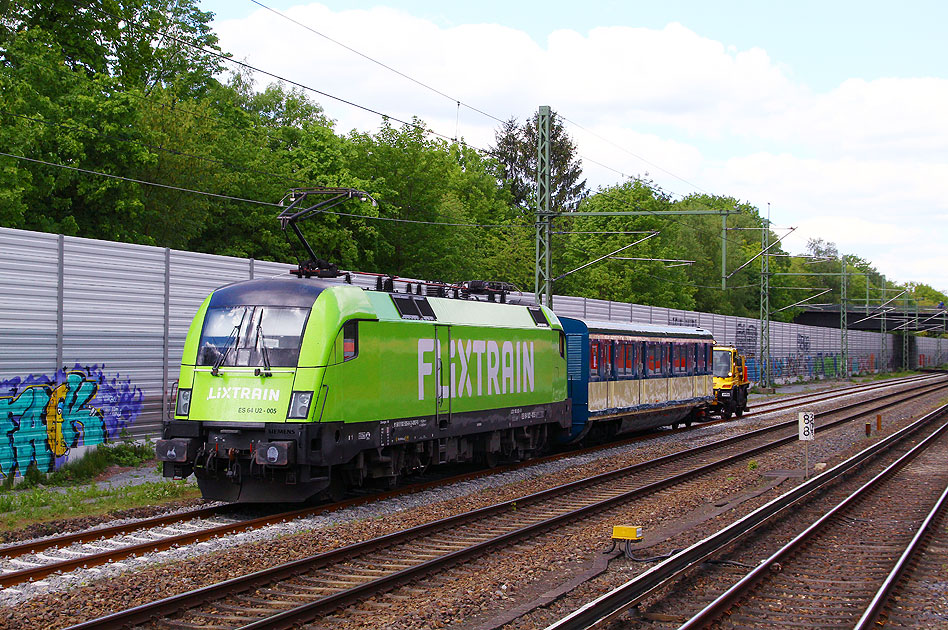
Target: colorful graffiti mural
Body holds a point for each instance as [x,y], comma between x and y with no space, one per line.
[810,366]
[45,417]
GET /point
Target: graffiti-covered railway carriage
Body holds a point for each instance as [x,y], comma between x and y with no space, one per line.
[291,386]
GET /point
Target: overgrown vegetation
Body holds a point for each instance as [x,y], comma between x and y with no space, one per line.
[87,467]
[68,491]
[21,508]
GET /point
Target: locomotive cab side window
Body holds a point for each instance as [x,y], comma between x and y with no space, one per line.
[350,340]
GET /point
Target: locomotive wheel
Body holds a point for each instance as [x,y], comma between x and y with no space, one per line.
[726,412]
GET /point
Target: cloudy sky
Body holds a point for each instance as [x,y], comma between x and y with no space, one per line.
[834,113]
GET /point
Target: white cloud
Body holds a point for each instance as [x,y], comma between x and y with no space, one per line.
[862,165]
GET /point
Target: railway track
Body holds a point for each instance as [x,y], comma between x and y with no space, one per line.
[300,591]
[830,571]
[34,560]
[911,591]
[824,578]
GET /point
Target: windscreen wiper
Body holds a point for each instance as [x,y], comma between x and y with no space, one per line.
[262,342]
[231,342]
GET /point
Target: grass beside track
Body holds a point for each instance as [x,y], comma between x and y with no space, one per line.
[20,508]
[69,492]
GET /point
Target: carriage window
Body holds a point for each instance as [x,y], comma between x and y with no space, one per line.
[593,357]
[607,358]
[654,359]
[620,358]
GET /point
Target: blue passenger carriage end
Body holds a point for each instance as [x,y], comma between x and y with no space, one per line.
[633,377]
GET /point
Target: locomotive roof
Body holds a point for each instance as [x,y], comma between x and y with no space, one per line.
[290,290]
[643,330]
[284,290]
[467,312]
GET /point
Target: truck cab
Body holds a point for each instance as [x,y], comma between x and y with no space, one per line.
[729,372]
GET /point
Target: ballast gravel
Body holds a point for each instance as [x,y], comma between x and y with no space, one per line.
[89,593]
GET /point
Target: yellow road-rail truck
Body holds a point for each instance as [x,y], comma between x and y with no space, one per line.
[729,371]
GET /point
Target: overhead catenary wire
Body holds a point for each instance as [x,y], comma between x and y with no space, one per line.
[603,193]
[459,102]
[223,57]
[635,155]
[158,148]
[257,201]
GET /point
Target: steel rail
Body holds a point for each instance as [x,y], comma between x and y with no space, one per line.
[611,605]
[717,608]
[13,578]
[34,546]
[874,609]
[196,597]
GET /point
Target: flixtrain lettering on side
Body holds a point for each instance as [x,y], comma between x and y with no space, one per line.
[478,367]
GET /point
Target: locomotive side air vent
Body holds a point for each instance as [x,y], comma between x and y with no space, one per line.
[413,306]
[538,317]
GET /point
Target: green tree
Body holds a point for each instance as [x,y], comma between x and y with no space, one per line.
[641,281]
[515,148]
[140,43]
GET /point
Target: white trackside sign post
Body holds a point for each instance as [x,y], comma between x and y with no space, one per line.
[807,425]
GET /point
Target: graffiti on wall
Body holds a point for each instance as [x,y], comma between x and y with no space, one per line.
[678,320]
[803,343]
[746,338]
[45,417]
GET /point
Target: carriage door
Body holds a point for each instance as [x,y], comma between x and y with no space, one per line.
[443,385]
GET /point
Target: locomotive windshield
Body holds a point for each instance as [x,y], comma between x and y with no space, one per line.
[252,336]
[721,363]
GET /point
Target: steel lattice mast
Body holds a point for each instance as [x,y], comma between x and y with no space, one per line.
[543,285]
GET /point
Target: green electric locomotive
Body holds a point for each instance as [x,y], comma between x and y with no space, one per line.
[291,387]
[304,385]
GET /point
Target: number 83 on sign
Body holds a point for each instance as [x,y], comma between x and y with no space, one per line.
[807,425]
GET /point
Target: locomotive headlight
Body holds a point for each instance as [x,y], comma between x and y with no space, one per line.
[299,405]
[183,405]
